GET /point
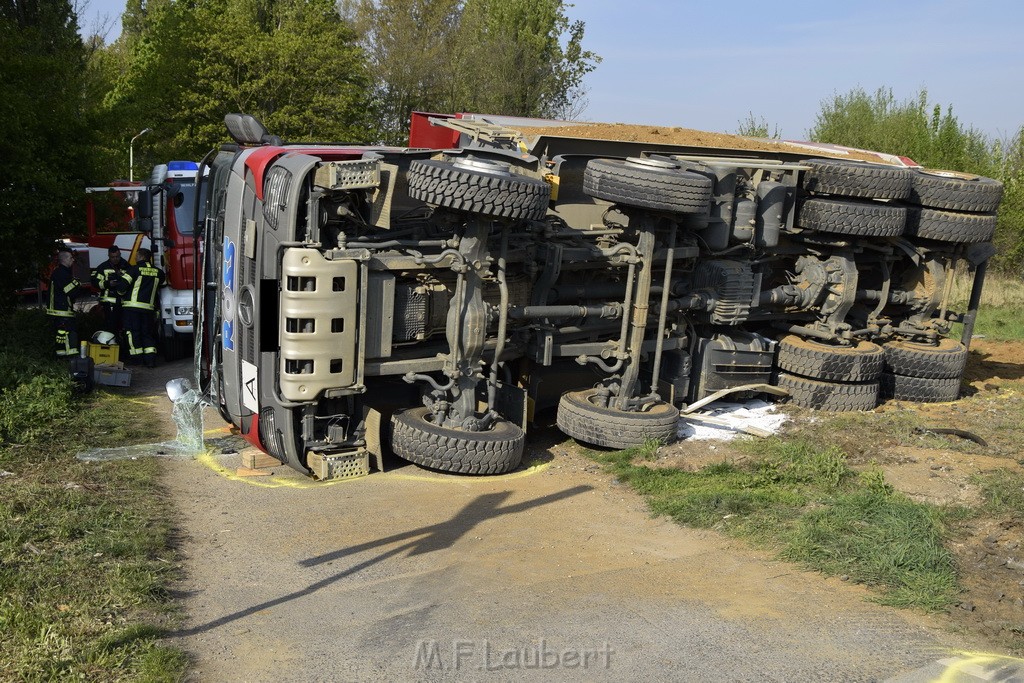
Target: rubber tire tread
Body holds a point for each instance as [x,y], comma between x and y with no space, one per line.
[495,451]
[672,190]
[582,420]
[815,360]
[442,184]
[837,397]
[868,219]
[857,179]
[919,389]
[950,226]
[980,195]
[947,360]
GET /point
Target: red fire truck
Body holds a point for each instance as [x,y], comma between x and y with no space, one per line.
[159,215]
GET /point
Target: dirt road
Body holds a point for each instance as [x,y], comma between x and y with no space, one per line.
[555,572]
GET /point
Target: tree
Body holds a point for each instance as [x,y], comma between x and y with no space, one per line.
[43,149]
[411,47]
[513,57]
[294,64]
[514,61]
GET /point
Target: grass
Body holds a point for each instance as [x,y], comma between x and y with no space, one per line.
[1004,323]
[1001,313]
[803,500]
[1003,492]
[85,558]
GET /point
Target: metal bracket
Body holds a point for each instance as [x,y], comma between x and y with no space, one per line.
[498,136]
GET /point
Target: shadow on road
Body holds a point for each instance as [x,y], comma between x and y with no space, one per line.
[420,541]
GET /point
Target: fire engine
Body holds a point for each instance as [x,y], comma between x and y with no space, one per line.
[159,215]
[431,299]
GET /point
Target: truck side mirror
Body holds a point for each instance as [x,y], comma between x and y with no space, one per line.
[145,208]
[144,223]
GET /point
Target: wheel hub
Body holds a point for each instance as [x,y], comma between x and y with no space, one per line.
[482,166]
[648,162]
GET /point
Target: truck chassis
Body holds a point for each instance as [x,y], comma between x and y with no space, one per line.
[431,299]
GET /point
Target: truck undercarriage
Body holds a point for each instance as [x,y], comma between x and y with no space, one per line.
[431,300]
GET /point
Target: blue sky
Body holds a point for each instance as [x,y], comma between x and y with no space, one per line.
[706,64]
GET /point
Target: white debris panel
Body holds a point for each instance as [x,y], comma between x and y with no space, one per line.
[731,420]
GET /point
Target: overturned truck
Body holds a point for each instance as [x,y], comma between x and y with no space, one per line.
[429,299]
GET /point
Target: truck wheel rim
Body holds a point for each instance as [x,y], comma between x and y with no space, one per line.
[648,162]
[482,166]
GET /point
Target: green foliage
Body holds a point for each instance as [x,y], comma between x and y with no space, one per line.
[514,61]
[180,67]
[753,127]
[412,54]
[35,408]
[935,138]
[914,128]
[35,390]
[804,500]
[84,548]
[513,57]
[43,149]
[1008,165]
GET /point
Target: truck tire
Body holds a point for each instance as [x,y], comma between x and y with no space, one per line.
[868,219]
[495,451]
[582,419]
[837,397]
[863,362]
[920,389]
[949,226]
[495,193]
[657,187]
[955,191]
[857,179]
[945,360]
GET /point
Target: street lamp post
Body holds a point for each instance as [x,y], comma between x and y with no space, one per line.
[131,153]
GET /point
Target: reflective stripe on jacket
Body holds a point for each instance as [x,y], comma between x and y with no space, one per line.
[146,280]
[63,288]
[106,277]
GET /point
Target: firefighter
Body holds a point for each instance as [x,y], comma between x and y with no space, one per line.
[64,288]
[139,307]
[107,277]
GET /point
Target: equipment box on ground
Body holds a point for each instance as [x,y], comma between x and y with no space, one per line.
[112,375]
[104,354]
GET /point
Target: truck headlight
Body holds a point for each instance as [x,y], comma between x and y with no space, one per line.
[182,310]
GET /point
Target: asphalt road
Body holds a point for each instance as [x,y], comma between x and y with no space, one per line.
[555,573]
